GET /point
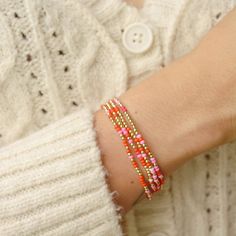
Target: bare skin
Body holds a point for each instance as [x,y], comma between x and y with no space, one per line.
[185,109]
[136,3]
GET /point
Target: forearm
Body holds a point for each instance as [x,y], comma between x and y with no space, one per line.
[175,133]
[180,111]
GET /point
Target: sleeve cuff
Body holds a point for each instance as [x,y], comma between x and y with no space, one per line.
[53,182]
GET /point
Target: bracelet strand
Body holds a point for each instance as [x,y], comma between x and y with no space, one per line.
[136,148]
[121,133]
[142,142]
[139,152]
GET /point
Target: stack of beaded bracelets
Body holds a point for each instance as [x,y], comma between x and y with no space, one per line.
[136,147]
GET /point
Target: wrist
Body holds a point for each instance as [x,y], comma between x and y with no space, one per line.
[121,177]
[175,118]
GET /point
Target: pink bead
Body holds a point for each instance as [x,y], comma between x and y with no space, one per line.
[152,170]
[124,131]
[131,157]
[144,155]
[148,194]
[153,160]
[142,142]
[130,141]
[123,109]
[158,184]
[154,176]
[153,187]
[138,136]
[161,176]
[139,155]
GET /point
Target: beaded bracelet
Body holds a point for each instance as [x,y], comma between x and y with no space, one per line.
[136,148]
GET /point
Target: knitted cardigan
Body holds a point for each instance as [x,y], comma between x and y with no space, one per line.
[59,60]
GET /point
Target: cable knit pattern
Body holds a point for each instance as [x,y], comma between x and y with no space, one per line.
[59,60]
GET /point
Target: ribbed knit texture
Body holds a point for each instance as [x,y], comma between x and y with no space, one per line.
[52,183]
[59,60]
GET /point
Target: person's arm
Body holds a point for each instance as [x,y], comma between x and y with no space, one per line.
[52,182]
[187,108]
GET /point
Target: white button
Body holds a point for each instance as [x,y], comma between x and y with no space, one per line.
[137,38]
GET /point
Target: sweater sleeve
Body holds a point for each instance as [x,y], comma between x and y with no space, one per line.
[52,182]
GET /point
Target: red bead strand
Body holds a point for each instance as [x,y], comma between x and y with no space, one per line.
[121,131]
[136,147]
[138,152]
[156,169]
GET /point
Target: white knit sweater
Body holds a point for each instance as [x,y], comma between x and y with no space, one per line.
[59,60]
